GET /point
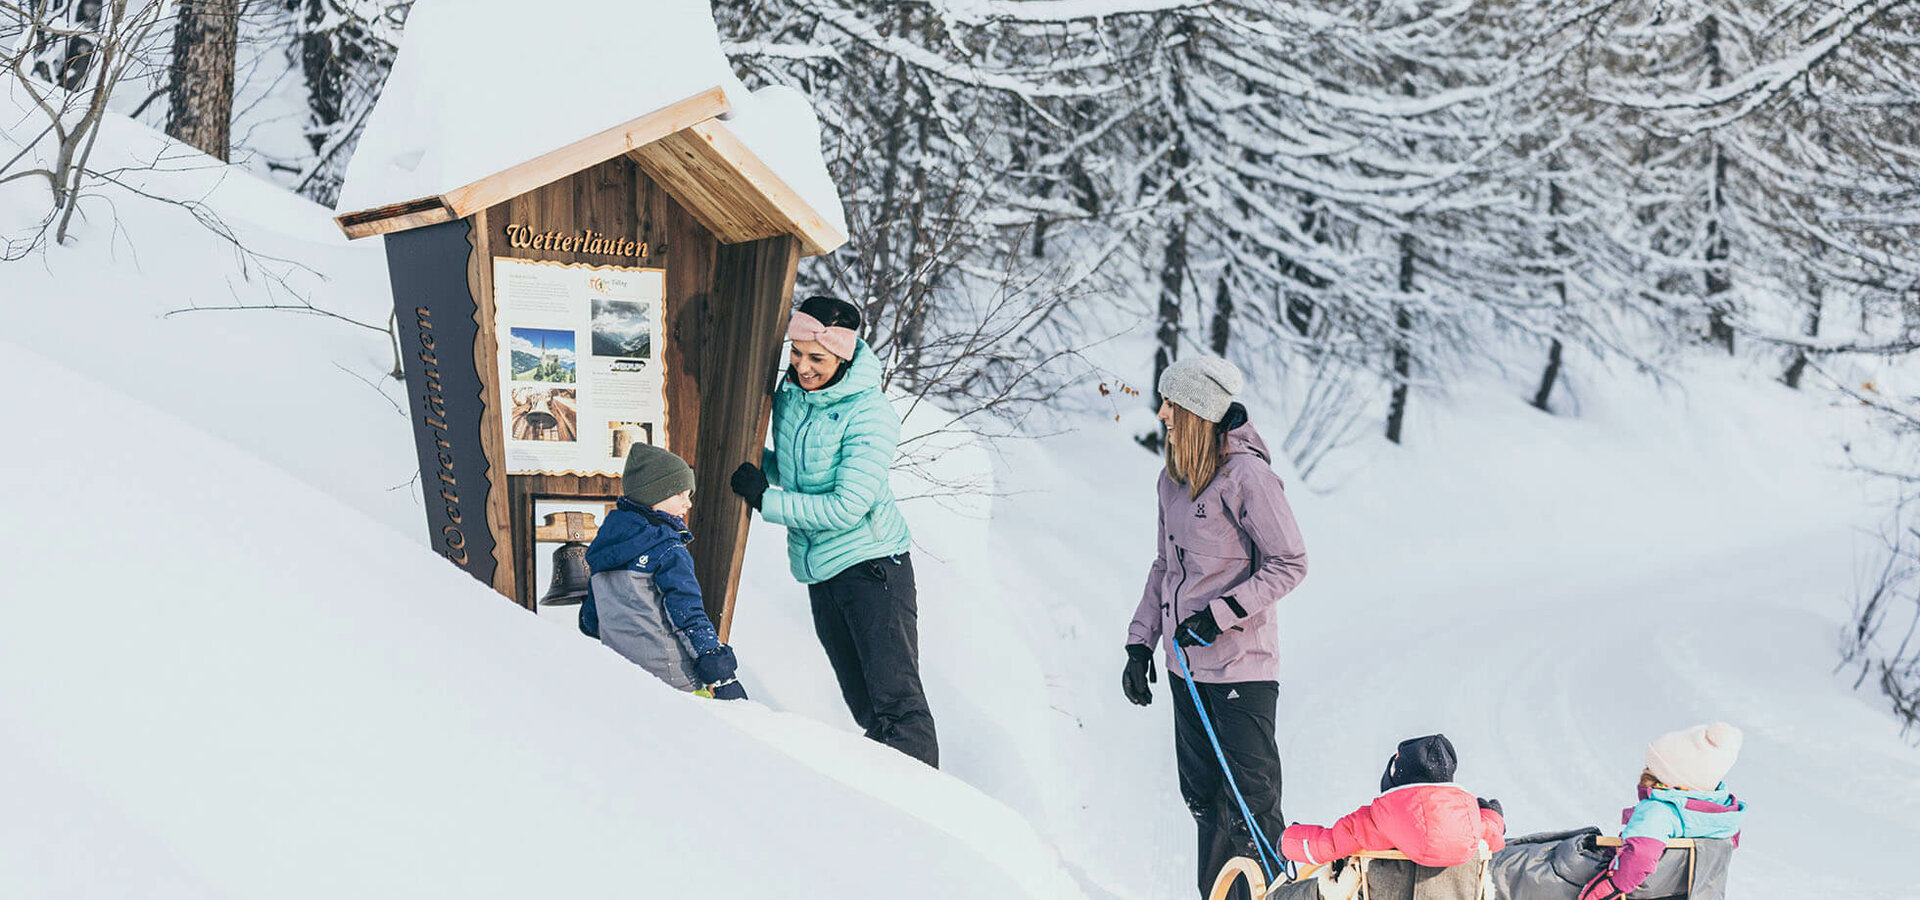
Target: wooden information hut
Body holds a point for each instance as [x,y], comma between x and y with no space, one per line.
[630,286]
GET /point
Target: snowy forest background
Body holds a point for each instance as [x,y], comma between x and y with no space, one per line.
[1361,202]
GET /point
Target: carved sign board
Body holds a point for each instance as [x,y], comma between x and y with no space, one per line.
[440,334]
[582,363]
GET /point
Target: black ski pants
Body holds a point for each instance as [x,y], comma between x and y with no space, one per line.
[868,621]
[1242,714]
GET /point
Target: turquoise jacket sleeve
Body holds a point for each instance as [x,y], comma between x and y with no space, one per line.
[768,468]
[859,476]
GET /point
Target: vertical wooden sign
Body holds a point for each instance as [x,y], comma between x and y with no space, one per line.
[440,334]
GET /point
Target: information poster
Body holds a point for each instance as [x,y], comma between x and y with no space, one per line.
[579,364]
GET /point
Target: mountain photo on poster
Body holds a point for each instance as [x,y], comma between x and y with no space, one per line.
[542,354]
[620,329]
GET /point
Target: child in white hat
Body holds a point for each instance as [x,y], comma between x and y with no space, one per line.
[1683,794]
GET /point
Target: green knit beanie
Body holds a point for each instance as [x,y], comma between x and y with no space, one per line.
[653,474]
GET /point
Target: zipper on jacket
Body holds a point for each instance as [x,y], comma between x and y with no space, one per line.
[1173,609]
[800,437]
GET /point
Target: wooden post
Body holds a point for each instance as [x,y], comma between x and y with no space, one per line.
[747,316]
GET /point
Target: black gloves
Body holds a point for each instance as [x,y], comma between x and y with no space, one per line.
[1139,674]
[1197,629]
[750,483]
[1492,805]
[715,670]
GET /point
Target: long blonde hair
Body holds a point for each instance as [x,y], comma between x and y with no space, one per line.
[1193,450]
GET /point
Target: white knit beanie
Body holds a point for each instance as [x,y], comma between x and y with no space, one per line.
[1202,385]
[1695,759]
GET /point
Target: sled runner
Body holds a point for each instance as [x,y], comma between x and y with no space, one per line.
[1382,875]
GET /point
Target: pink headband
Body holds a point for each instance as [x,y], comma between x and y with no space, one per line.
[838,341]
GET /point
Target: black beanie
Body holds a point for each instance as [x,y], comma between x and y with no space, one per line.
[1421,760]
[653,474]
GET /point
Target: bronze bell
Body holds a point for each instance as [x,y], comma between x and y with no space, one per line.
[570,575]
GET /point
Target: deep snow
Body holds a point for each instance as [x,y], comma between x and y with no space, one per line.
[198,682]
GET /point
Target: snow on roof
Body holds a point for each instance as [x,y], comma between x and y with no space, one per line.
[778,124]
[480,86]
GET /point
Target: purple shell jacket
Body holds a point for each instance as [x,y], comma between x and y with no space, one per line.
[1237,539]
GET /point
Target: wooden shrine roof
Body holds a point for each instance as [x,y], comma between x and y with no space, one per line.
[684,147]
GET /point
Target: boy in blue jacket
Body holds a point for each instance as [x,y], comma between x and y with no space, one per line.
[643,599]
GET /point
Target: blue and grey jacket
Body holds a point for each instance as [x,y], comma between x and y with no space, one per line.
[643,599]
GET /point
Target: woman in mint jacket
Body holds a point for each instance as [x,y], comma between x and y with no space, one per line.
[834,437]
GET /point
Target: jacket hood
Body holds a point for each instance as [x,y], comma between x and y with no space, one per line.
[1241,436]
[630,532]
[863,374]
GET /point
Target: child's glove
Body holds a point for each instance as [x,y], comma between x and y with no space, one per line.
[1492,805]
[1139,674]
[1601,888]
[1198,628]
[750,483]
[715,666]
[715,669]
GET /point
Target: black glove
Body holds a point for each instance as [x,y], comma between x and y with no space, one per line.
[1139,674]
[1198,628]
[1492,805]
[715,666]
[729,691]
[750,483]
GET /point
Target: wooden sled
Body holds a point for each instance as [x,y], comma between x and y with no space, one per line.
[1241,868]
[1672,844]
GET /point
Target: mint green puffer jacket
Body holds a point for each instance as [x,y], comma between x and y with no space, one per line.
[828,467]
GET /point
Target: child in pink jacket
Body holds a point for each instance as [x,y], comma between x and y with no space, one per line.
[1420,812]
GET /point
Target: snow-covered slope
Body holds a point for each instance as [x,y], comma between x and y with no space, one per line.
[228,684]
[236,665]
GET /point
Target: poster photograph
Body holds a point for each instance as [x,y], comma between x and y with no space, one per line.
[627,434]
[544,414]
[622,330]
[571,412]
[542,354]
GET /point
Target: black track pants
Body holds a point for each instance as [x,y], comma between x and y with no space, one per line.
[869,624]
[1242,714]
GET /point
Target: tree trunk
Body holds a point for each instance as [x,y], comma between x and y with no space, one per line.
[1799,365]
[1402,353]
[1221,328]
[1555,199]
[201,95]
[323,63]
[1719,281]
[1547,378]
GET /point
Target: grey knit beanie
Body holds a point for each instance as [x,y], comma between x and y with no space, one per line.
[1202,385]
[653,474]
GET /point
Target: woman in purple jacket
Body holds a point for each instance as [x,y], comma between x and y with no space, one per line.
[1229,550]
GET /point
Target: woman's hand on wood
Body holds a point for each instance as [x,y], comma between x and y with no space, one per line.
[750,483]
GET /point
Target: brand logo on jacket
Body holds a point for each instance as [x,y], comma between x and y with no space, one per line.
[1199,510]
[642,562]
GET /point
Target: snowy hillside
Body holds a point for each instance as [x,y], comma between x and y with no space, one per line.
[233,669]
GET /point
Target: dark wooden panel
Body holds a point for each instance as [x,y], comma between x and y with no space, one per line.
[745,320]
